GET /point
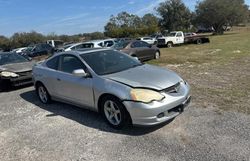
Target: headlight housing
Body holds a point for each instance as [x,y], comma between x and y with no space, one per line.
[145,95]
[8,74]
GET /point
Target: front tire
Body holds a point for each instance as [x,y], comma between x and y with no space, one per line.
[114,112]
[43,94]
[157,55]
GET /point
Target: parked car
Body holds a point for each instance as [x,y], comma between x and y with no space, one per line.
[108,43]
[15,70]
[38,50]
[148,40]
[178,38]
[118,86]
[140,49]
[173,38]
[90,44]
[19,50]
[193,38]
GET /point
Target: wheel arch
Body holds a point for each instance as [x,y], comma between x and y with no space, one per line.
[38,83]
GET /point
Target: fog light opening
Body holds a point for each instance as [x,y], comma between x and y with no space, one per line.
[161,115]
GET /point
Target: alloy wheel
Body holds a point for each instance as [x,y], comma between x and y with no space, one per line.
[43,95]
[112,112]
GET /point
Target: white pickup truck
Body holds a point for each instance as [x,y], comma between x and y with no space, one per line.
[173,38]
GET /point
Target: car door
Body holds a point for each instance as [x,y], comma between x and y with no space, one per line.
[137,50]
[71,88]
[148,51]
[179,38]
[50,78]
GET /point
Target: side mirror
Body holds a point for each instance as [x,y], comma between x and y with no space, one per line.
[80,73]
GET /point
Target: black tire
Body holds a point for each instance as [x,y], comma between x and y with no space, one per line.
[124,116]
[44,100]
[170,44]
[198,41]
[157,55]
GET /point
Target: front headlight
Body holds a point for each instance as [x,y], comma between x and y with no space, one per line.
[145,95]
[8,74]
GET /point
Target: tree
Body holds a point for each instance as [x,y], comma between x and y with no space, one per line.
[26,38]
[248,16]
[4,43]
[174,15]
[150,23]
[220,13]
[130,25]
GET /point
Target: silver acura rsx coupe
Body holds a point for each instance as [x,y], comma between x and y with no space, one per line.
[118,86]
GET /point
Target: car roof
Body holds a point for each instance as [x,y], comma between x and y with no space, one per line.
[96,41]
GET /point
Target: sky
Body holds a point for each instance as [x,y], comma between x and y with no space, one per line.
[69,17]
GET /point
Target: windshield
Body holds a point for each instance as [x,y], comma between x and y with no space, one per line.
[109,61]
[172,34]
[11,58]
[67,46]
[30,48]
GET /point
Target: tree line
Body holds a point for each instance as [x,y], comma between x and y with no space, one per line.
[170,15]
[175,15]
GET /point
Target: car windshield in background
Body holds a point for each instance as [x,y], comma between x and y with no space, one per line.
[172,34]
[30,48]
[11,58]
[67,46]
[109,61]
[121,45]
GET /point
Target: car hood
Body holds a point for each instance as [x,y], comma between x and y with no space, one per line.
[17,67]
[146,76]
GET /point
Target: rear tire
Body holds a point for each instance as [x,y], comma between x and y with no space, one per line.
[170,44]
[114,112]
[198,41]
[43,94]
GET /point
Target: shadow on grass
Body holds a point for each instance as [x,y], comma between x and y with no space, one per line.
[86,117]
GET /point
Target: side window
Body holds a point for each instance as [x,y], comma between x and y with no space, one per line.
[179,34]
[78,47]
[53,63]
[88,45]
[136,44]
[70,63]
[108,43]
[144,44]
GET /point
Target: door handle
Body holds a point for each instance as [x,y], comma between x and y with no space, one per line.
[58,79]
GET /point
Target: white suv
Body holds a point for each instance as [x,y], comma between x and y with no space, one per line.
[108,43]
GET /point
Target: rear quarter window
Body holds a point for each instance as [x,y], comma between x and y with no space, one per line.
[53,63]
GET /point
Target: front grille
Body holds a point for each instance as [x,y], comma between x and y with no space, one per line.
[24,74]
[173,89]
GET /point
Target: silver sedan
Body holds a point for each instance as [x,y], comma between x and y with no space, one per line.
[118,86]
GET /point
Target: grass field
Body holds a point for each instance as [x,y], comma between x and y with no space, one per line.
[219,72]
